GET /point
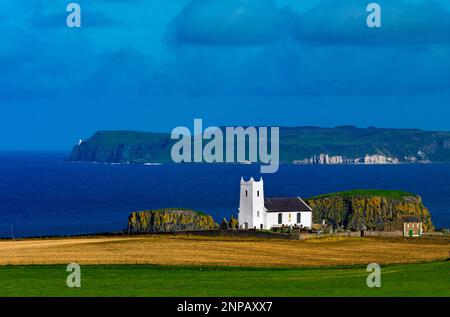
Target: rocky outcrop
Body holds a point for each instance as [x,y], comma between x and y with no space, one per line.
[355,211]
[169,220]
[338,159]
[323,159]
[377,159]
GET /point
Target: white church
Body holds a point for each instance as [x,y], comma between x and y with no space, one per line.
[257,212]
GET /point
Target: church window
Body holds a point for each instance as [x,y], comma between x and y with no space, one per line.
[257,193]
[299,217]
[280,218]
[246,193]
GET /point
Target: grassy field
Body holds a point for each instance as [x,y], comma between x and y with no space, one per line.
[426,279]
[223,251]
[394,194]
[168,265]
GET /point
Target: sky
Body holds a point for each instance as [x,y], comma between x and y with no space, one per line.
[153,65]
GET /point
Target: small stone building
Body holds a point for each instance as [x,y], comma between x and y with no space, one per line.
[411,226]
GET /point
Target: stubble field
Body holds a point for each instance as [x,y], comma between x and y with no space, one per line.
[223,251]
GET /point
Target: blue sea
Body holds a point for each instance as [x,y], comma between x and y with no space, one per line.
[42,195]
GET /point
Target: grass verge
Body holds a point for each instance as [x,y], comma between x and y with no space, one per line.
[420,279]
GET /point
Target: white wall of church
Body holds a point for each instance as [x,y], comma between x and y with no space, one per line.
[288,219]
[251,204]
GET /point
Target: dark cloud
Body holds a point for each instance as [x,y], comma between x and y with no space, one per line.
[231,22]
[344,22]
[255,48]
[283,69]
[245,51]
[335,22]
[72,67]
[123,71]
[42,62]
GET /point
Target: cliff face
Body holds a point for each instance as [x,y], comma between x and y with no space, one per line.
[169,221]
[376,212]
[367,159]
[123,147]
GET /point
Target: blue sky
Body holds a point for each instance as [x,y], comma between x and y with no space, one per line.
[156,64]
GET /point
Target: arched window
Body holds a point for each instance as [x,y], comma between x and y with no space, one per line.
[257,193]
[246,193]
[280,218]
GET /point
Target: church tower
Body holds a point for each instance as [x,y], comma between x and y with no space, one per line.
[251,205]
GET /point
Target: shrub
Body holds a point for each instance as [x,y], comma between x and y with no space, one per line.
[224,224]
[234,224]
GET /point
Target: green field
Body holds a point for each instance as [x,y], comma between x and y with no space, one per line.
[426,279]
[394,194]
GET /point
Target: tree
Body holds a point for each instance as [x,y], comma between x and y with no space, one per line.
[234,224]
[224,225]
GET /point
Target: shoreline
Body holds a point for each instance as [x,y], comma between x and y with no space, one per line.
[255,164]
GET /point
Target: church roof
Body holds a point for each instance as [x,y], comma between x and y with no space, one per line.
[285,204]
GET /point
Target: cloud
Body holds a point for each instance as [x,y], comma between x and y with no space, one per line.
[69,66]
[36,66]
[286,70]
[343,22]
[41,58]
[231,23]
[256,48]
[330,22]
[229,48]
[123,71]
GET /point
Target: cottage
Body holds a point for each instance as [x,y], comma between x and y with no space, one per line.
[412,226]
[257,212]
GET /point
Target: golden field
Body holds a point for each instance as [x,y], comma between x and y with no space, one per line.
[223,251]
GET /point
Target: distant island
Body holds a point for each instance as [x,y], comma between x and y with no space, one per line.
[298,145]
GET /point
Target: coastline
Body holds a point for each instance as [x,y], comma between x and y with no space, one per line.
[252,164]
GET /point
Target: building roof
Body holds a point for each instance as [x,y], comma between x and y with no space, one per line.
[410,219]
[285,204]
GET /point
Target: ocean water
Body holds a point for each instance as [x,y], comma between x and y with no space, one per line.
[42,195]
